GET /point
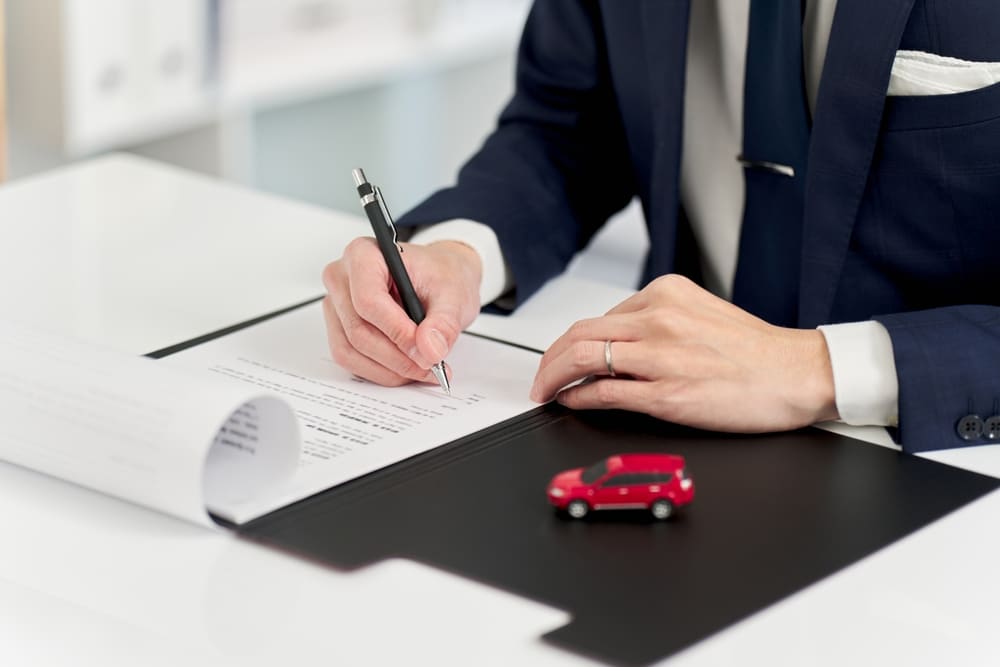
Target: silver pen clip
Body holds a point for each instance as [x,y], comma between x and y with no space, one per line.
[388,218]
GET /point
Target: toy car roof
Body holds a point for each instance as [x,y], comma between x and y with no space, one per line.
[646,462]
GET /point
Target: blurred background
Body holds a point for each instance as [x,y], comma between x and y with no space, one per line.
[284,96]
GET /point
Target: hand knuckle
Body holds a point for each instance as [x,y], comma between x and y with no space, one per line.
[606,393]
[365,304]
[677,280]
[397,333]
[581,354]
[340,354]
[345,356]
[579,329]
[569,398]
[358,244]
[671,283]
[357,332]
[660,283]
[331,275]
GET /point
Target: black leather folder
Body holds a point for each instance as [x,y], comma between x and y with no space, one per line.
[772,515]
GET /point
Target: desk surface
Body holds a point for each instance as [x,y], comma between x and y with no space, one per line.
[140,256]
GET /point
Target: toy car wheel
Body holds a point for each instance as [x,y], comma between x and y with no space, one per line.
[577,509]
[662,509]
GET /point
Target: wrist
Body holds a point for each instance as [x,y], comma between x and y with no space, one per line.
[463,257]
[812,388]
[462,251]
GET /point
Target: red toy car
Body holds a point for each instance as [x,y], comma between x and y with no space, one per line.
[657,482]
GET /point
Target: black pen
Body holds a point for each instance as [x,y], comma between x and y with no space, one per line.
[385,235]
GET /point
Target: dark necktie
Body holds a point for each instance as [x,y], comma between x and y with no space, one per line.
[775,147]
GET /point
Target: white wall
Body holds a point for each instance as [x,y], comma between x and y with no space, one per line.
[283,95]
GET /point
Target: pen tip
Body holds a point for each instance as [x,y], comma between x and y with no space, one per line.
[441,375]
[359,177]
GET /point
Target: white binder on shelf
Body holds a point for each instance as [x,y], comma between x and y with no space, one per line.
[175,56]
[91,75]
[101,72]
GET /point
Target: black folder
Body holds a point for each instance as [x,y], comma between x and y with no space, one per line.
[772,514]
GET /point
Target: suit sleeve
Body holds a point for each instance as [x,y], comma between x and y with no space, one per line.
[556,167]
[948,366]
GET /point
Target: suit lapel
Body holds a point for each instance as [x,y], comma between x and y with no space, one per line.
[863,43]
[664,46]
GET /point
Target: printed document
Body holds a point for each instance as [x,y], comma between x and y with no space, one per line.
[350,426]
[241,425]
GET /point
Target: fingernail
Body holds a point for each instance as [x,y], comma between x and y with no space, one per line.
[439,344]
[533,394]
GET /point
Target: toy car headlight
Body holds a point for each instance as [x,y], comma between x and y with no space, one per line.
[686,484]
[556,492]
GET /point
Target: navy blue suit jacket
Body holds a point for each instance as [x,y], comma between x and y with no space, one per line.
[902,214]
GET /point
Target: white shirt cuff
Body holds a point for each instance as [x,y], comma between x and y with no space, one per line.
[864,373]
[497,278]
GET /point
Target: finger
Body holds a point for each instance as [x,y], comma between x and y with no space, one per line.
[371,297]
[586,358]
[434,340]
[366,340]
[607,394]
[346,356]
[609,327]
[451,306]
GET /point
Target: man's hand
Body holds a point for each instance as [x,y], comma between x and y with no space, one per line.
[369,332]
[691,358]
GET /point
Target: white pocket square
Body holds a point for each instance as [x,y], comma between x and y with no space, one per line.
[920,73]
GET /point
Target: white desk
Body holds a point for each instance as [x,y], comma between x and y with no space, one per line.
[140,256]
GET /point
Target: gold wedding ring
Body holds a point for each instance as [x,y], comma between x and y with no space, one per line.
[607,358]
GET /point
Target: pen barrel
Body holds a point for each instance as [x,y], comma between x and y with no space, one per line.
[394,262]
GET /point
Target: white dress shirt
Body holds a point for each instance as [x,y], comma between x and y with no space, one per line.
[713,194]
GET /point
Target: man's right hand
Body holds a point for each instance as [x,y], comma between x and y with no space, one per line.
[371,335]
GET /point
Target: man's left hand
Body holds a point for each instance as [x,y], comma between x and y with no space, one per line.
[683,355]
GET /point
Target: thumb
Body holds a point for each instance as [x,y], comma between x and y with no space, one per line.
[436,335]
[452,300]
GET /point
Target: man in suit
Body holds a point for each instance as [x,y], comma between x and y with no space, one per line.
[843,266]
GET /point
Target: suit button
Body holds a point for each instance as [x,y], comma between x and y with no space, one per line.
[970,427]
[991,428]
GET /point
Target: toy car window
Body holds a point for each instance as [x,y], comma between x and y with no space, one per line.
[619,480]
[651,478]
[594,472]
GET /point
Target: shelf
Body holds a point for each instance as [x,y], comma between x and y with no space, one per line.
[357,56]
[90,76]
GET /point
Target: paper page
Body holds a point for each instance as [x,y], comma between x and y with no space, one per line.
[136,429]
[350,426]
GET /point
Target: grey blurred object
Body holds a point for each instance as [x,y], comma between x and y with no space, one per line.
[3,100]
